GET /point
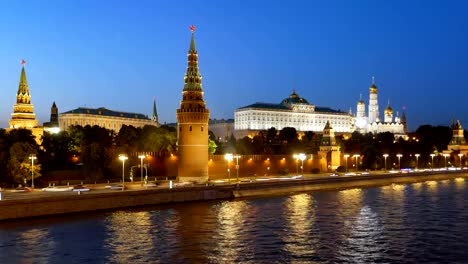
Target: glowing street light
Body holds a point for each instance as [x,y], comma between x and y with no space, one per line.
[356,156]
[346,156]
[399,163]
[417,157]
[237,166]
[141,168]
[228,157]
[385,161]
[32,157]
[123,157]
[445,156]
[302,157]
[432,156]
[460,155]
[296,156]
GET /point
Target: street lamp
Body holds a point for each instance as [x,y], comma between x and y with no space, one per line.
[356,156]
[141,168]
[417,160]
[123,157]
[237,166]
[32,157]
[399,163]
[445,156]
[296,156]
[228,157]
[460,155]
[432,156]
[385,161]
[302,157]
[346,156]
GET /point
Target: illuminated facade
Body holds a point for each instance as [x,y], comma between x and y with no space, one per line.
[192,124]
[103,117]
[293,111]
[372,122]
[458,142]
[23,111]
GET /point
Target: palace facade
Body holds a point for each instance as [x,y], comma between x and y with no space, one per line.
[103,117]
[293,111]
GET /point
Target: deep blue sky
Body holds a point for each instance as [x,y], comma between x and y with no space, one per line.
[121,54]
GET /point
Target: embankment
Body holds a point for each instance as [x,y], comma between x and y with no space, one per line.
[74,203]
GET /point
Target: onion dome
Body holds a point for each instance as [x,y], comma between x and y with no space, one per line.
[388,110]
[360,102]
[373,88]
[294,98]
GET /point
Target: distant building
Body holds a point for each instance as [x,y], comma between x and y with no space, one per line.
[192,124]
[372,121]
[330,152]
[23,115]
[53,125]
[105,118]
[458,142]
[293,111]
[221,128]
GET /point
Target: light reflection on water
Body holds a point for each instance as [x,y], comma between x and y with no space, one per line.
[421,222]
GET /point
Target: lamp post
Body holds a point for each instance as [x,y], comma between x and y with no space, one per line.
[296,156]
[385,161]
[237,166]
[432,156]
[123,157]
[302,157]
[141,168]
[445,157]
[460,155]
[399,163]
[417,160]
[356,156]
[32,157]
[229,157]
[346,156]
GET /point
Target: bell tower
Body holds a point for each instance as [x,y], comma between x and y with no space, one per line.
[192,124]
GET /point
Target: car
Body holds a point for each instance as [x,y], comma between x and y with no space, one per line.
[115,187]
[57,189]
[80,188]
[335,174]
[21,190]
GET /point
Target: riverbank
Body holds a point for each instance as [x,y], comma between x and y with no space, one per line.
[34,205]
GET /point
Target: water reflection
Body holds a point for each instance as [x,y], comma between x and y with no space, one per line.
[32,246]
[301,239]
[231,225]
[129,237]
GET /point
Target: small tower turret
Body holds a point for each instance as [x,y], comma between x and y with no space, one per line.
[388,114]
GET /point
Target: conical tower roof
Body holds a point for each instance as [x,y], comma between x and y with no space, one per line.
[192,77]
[155,112]
[23,87]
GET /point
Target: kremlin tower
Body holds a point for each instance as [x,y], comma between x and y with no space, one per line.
[192,124]
[23,111]
[373,104]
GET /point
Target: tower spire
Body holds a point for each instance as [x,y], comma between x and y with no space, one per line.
[155,112]
[23,88]
[192,76]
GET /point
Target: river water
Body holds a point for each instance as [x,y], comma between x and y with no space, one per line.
[413,223]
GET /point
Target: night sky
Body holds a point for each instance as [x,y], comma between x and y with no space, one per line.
[122,54]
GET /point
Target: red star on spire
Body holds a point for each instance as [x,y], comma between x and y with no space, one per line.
[192,28]
[23,62]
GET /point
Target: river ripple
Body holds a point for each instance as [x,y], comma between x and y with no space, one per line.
[413,223]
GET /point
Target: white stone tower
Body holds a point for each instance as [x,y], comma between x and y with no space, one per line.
[373,103]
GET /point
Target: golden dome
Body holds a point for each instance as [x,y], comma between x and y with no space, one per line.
[388,110]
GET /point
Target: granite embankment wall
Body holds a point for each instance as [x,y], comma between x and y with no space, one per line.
[74,203]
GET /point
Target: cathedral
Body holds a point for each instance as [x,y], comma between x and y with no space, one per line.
[372,121]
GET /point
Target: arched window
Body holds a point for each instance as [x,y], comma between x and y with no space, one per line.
[190,129]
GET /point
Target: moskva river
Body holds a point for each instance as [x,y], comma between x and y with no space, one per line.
[414,223]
